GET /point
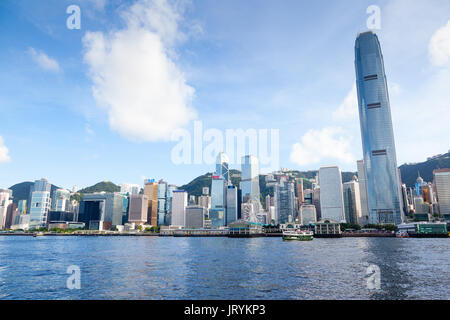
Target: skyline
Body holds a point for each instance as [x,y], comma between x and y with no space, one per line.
[279,79]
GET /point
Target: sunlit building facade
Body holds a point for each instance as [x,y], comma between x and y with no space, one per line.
[377,135]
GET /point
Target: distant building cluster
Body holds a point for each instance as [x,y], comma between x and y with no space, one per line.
[375,196]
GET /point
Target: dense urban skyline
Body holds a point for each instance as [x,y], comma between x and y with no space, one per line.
[46,86]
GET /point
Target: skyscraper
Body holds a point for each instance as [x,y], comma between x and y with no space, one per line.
[331,196]
[5,201]
[363,192]
[40,205]
[162,202]
[352,201]
[377,134]
[179,204]
[250,180]
[232,205]
[442,184]
[151,191]
[222,167]
[138,209]
[284,200]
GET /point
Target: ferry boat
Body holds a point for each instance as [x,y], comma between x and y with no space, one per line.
[402,234]
[301,235]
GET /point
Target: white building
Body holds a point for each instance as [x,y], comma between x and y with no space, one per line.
[442,184]
[331,196]
[129,188]
[363,192]
[61,200]
[5,201]
[179,204]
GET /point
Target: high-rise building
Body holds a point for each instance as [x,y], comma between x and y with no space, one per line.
[205,201]
[250,180]
[5,201]
[442,185]
[40,205]
[352,201]
[130,189]
[300,194]
[217,213]
[179,204]
[331,196]
[162,202]
[38,185]
[315,200]
[284,200]
[222,167]
[307,214]
[195,216]
[138,209]
[61,200]
[219,184]
[377,134]
[151,191]
[168,216]
[232,205]
[101,211]
[363,192]
[22,205]
[11,214]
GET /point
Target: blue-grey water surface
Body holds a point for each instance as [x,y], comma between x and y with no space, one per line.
[222,268]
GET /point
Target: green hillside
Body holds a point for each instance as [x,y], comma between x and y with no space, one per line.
[409,171]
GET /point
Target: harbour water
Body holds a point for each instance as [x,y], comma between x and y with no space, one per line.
[223,268]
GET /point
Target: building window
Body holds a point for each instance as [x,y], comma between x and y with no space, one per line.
[374,105]
[379,153]
[371,77]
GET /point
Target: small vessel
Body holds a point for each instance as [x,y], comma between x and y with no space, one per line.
[402,234]
[38,234]
[300,235]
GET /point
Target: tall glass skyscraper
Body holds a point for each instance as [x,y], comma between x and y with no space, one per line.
[377,134]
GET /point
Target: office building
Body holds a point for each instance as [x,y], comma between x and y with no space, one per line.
[138,209]
[352,201]
[61,200]
[130,189]
[22,206]
[162,202]
[250,180]
[331,196]
[40,205]
[101,211]
[307,214]
[195,216]
[442,185]
[151,191]
[179,204]
[284,201]
[232,205]
[377,134]
[5,201]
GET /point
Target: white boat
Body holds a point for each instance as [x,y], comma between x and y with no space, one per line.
[402,234]
[300,235]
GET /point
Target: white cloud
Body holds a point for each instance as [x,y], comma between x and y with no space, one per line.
[43,60]
[135,77]
[318,145]
[439,48]
[348,109]
[4,152]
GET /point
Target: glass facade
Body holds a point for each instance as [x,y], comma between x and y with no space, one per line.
[377,135]
[250,180]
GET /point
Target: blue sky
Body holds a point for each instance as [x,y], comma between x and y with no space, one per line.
[78,114]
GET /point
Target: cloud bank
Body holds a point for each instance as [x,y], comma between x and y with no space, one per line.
[318,145]
[135,76]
